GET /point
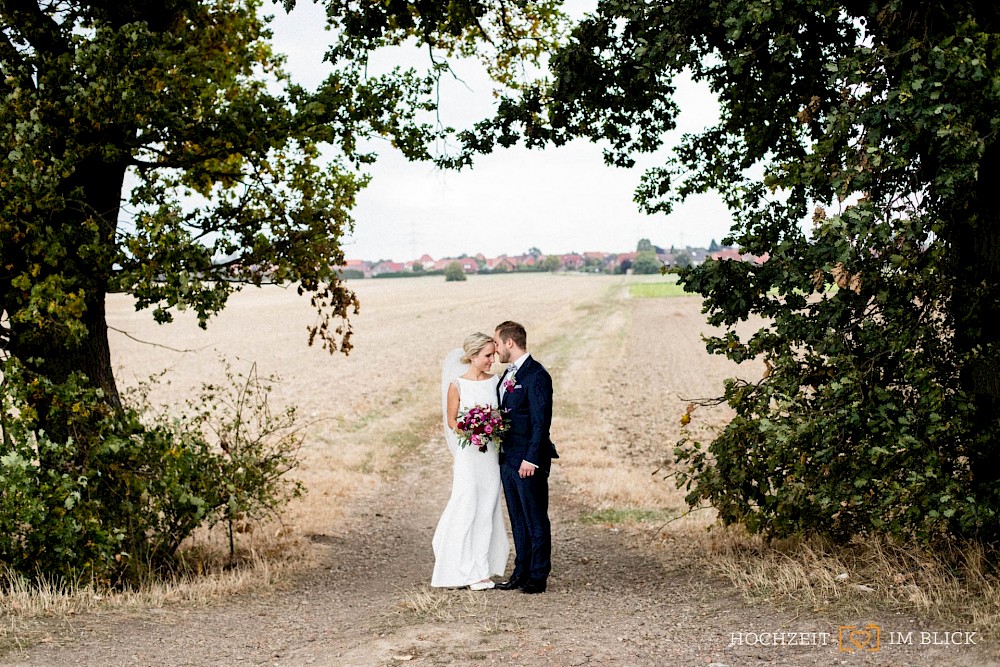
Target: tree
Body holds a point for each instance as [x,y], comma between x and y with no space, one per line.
[551,263]
[644,245]
[231,175]
[171,96]
[454,272]
[878,120]
[168,104]
[646,263]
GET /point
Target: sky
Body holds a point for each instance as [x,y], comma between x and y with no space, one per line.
[558,200]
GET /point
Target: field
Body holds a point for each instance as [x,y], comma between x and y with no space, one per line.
[371,411]
[342,578]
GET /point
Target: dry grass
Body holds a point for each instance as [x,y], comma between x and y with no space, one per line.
[959,588]
[25,603]
[45,598]
[458,606]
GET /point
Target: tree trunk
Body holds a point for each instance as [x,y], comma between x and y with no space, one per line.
[976,246]
[92,356]
[47,348]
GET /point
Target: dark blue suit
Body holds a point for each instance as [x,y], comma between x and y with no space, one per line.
[528,407]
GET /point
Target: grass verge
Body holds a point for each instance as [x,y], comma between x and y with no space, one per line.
[960,588]
[656,290]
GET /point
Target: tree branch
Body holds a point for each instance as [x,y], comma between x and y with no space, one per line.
[146,342]
[12,63]
[40,30]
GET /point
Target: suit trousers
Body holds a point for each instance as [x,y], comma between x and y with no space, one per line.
[528,509]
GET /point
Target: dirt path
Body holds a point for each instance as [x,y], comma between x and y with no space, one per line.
[616,597]
[611,602]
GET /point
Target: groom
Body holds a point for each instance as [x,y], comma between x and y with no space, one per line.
[525,396]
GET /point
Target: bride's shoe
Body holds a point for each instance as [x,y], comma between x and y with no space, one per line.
[481,585]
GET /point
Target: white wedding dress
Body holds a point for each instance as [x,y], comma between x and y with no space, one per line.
[470,543]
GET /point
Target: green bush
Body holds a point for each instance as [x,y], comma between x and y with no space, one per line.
[646,263]
[454,272]
[859,425]
[351,274]
[119,496]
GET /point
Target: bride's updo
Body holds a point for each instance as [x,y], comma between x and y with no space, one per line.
[473,345]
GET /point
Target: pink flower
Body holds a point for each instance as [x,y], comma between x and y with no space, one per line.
[479,426]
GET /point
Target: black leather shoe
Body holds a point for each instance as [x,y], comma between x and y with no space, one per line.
[511,584]
[534,586]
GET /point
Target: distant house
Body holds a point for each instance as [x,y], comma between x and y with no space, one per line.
[623,261]
[425,263]
[361,266]
[697,255]
[735,255]
[502,263]
[387,266]
[727,253]
[469,264]
[527,260]
[571,262]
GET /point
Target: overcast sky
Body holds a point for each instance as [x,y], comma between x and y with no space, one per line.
[558,199]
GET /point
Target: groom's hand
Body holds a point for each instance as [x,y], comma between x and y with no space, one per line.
[526,469]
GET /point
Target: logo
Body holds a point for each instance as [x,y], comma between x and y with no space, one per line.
[853,638]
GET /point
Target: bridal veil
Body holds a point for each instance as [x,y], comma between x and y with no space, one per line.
[451,370]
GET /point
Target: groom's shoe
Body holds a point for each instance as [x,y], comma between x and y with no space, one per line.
[534,586]
[511,584]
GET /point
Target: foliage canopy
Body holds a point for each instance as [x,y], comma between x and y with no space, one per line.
[857,147]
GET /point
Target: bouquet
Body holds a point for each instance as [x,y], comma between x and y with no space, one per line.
[479,426]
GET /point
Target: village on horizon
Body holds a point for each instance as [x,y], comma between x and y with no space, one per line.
[535,260]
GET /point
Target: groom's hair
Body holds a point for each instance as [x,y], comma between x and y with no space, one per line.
[513,331]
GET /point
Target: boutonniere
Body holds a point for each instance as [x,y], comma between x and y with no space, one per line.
[510,381]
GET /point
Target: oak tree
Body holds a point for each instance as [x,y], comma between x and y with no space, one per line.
[857,146]
[159,149]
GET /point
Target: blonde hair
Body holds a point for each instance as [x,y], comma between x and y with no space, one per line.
[473,345]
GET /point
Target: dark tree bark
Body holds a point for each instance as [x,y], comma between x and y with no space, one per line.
[52,353]
[976,247]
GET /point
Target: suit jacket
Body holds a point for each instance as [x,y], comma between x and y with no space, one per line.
[528,408]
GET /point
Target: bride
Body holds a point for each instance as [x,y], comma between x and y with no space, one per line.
[470,543]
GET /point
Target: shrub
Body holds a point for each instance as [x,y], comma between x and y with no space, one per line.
[117,498]
[454,272]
